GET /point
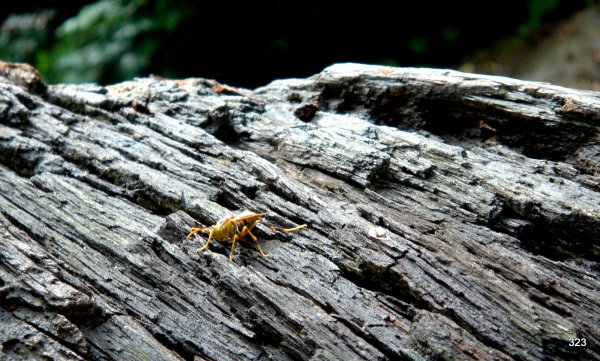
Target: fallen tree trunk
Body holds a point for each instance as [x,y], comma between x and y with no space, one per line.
[450,216]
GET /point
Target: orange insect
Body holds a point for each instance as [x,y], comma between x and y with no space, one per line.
[235,227]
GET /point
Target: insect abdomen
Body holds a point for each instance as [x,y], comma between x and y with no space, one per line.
[227,231]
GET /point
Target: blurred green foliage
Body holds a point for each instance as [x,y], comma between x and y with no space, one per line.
[537,10]
[418,45]
[23,35]
[111,40]
[108,41]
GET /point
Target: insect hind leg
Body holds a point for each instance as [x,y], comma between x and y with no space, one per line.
[255,240]
[287,230]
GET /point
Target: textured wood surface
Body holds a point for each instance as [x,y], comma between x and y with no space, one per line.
[450,216]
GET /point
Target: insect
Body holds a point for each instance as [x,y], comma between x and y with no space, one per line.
[234,227]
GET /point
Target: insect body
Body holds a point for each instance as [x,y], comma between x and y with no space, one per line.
[232,228]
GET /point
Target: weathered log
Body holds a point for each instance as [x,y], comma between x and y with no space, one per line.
[450,216]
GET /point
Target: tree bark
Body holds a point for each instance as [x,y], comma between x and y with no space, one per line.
[450,216]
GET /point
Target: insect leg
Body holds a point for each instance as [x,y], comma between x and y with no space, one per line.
[247,230]
[210,235]
[196,230]
[294,228]
[289,229]
[235,238]
[255,240]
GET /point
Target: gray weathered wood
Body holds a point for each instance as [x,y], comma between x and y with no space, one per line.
[451,216]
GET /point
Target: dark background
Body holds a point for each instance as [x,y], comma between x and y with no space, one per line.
[249,44]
